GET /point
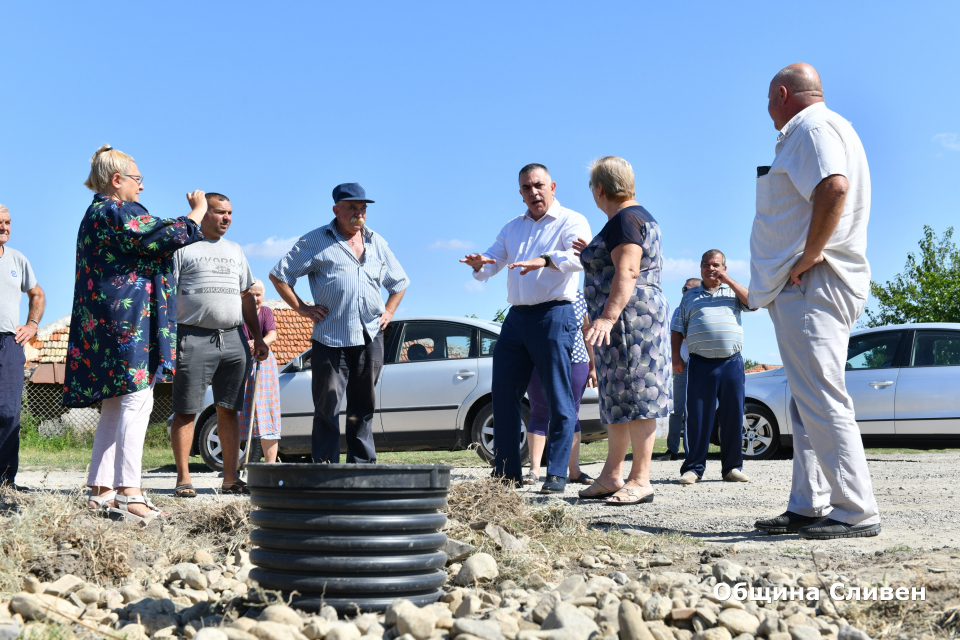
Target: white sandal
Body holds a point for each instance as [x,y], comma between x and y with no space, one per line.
[121,511]
[101,501]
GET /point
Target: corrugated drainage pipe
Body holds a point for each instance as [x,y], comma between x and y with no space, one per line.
[350,535]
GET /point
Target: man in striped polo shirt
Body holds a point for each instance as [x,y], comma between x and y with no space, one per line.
[346,264]
[709,319]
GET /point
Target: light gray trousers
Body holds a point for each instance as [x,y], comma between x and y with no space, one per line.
[830,474]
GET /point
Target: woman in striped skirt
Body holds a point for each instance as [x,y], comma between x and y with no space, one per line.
[267,421]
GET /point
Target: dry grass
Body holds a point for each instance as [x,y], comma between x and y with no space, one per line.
[51,534]
[551,527]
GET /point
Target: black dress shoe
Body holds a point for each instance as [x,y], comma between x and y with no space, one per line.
[786,522]
[554,484]
[829,529]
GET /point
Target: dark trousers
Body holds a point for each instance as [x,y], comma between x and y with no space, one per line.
[710,380]
[12,360]
[352,371]
[540,336]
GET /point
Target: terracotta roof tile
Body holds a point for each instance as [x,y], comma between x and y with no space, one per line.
[763,367]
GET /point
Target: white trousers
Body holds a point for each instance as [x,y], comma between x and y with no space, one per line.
[118,442]
[830,474]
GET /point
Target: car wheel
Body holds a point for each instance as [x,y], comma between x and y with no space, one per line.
[482,433]
[761,434]
[210,449]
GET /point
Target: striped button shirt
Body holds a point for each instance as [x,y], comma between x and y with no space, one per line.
[711,322]
[350,289]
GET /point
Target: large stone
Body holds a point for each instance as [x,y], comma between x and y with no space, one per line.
[281,613]
[32,585]
[276,631]
[89,594]
[202,556]
[803,632]
[190,574]
[567,617]
[343,631]
[600,584]
[632,625]
[572,587]
[726,571]
[849,632]
[738,621]
[457,550]
[43,607]
[210,633]
[419,623]
[316,628]
[10,630]
[544,606]
[660,560]
[130,593]
[657,607]
[468,606]
[233,633]
[483,629]
[480,567]
[64,586]
[715,633]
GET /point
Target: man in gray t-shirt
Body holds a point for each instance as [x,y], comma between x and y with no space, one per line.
[213,301]
[16,278]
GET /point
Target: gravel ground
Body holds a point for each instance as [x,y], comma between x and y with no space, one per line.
[916,494]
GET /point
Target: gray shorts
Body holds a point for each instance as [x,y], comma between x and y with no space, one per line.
[208,356]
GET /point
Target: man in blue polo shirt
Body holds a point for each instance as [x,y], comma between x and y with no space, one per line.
[709,319]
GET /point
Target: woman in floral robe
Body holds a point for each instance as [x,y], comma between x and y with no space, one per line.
[123,327]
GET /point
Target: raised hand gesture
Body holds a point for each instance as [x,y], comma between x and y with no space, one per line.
[477,260]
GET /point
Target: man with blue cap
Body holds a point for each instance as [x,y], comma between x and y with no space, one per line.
[346,264]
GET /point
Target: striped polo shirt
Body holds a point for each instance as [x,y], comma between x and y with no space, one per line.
[710,322]
[350,289]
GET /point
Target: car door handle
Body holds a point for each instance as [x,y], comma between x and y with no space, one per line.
[882,383]
[463,373]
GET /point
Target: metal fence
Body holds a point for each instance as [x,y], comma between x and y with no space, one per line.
[42,404]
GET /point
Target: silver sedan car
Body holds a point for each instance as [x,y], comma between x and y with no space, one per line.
[433,394]
[904,381]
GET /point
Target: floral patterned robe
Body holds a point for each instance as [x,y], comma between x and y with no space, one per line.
[123,329]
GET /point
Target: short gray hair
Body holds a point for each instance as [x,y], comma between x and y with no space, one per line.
[3,209]
[257,282]
[714,252]
[615,176]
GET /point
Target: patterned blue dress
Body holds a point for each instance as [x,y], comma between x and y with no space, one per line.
[634,371]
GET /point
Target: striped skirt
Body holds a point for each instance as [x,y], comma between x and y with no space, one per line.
[267,423]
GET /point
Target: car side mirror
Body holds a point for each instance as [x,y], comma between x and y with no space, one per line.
[296,364]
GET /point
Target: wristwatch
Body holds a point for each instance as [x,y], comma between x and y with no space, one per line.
[546,259]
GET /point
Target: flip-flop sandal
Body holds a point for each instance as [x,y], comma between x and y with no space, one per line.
[583,478]
[185,490]
[603,492]
[531,478]
[635,497]
[238,488]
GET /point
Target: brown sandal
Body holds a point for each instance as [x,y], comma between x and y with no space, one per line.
[632,495]
[596,491]
[185,490]
[238,488]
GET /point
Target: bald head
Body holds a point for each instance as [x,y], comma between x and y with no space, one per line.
[792,90]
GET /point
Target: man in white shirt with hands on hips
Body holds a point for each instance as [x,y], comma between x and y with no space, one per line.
[540,328]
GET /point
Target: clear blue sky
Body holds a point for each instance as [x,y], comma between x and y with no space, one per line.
[434,107]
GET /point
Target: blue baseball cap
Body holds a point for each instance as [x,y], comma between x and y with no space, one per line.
[349,191]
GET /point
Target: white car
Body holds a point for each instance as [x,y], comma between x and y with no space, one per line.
[904,381]
[433,394]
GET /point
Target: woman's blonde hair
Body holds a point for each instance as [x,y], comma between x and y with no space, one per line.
[105,162]
[615,175]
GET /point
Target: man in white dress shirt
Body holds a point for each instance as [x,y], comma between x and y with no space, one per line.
[808,267]
[540,328]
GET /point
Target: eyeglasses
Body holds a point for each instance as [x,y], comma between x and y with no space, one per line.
[138,179]
[684,290]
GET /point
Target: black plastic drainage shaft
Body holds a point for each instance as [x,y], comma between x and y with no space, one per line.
[350,535]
